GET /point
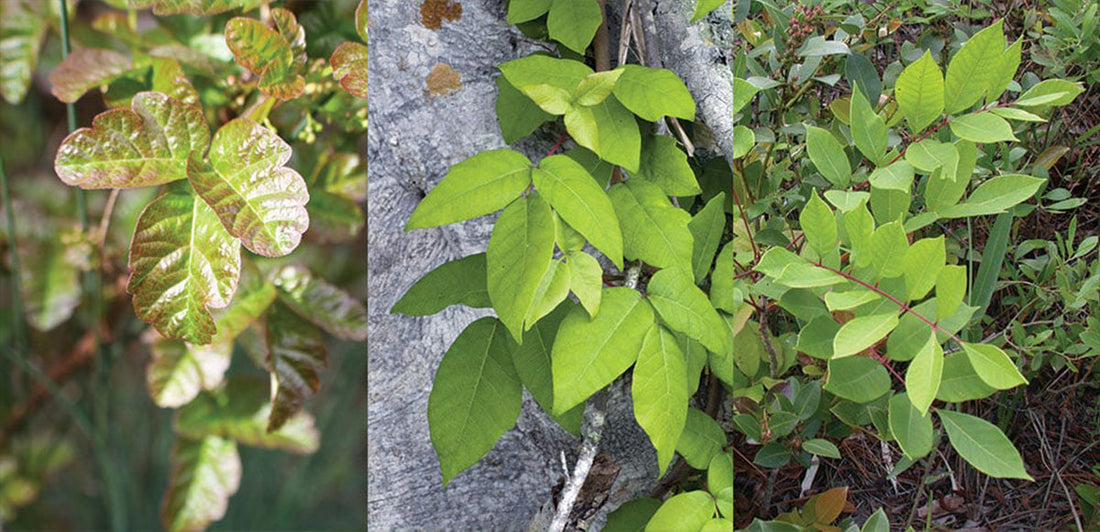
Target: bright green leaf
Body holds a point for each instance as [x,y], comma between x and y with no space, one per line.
[685,308]
[922,264]
[659,392]
[517,257]
[828,156]
[993,366]
[983,445]
[688,512]
[920,93]
[922,379]
[862,332]
[819,226]
[586,280]
[973,68]
[995,196]
[654,92]
[706,229]
[982,127]
[476,186]
[857,379]
[595,88]
[667,165]
[653,229]
[702,439]
[575,196]
[574,22]
[868,128]
[911,428]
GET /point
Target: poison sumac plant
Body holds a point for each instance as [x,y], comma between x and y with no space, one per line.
[231,197]
[653,303]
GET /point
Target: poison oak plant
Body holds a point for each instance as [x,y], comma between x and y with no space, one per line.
[654,303]
[874,303]
[199,108]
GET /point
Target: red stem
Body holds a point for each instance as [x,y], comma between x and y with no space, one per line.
[558,144]
[886,363]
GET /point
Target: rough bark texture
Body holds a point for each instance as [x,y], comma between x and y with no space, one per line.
[432,102]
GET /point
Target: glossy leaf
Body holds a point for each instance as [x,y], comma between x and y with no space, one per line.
[256,198]
[589,353]
[575,196]
[322,303]
[828,156]
[687,512]
[240,412]
[517,257]
[85,69]
[458,282]
[685,308]
[654,92]
[479,185]
[297,354]
[920,93]
[659,391]
[266,53]
[349,67]
[995,196]
[702,439]
[912,429]
[983,445]
[178,371]
[125,148]
[653,229]
[201,7]
[476,396]
[206,472]
[182,263]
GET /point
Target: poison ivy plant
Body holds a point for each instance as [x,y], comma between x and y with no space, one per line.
[602,259]
[230,141]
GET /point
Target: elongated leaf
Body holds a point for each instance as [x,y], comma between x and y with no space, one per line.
[868,128]
[972,70]
[537,68]
[178,371]
[828,156]
[21,32]
[910,427]
[552,289]
[960,382]
[532,363]
[297,355]
[922,264]
[1051,92]
[322,303]
[995,196]
[517,257]
[479,185]
[706,229]
[993,366]
[619,139]
[586,280]
[256,198]
[517,115]
[862,332]
[200,7]
[654,92]
[701,440]
[982,127]
[240,412]
[819,225]
[574,22]
[922,379]
[575,196]
[266,53]
[857,379]
[666,165]
[983,445]
[888,247]
[182,263]
[993,256]
[1005,69]
[125,148]
[653,229]
[85,69]
[206,472]
[685,308]
[660,393]
[459,282]
[687,511]
[590,353]
[476,396]
[920,92]
[897,176]
[595,88]
[349,66]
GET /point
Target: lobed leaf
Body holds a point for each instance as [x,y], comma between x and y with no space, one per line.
[324,304]
[297,354]
[266,53]
[349,67]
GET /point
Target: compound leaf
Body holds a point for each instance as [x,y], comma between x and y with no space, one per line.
[266,53]
[178,371]
[575,196]
[349,66]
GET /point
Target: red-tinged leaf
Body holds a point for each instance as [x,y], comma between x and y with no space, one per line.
[287,26]
[197,7]
[361,19]
[297,353]
[85,69]
[349,66]
[240,412]
[179,371]
[125,148]
[322,303]
[254,295]
[256,198]
[266,53]
[206,472]
[168,77]
[21,32]
[182,263]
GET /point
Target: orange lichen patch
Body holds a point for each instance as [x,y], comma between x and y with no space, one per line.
[443,80]
[434,12]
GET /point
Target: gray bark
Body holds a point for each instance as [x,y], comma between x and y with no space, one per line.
[414,137]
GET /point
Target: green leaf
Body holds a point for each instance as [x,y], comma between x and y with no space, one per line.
[743,141]
[860,227]
[983,445]
[458,282]
[85,69]
[982,127]
[868,128]
[50,282]
[519,254]
[178,371]
[821,447]
[659,392]
[240,412]
[950,289]
[703,7]
[922,264]
[256,198]
[819,226]
[862,332]
[266,53]
[920,93]
[837,300]
[552,289]
[321,303]
[632,515]
[654,92]
[721,281]
[878,522]
[1004,70]
[816,337]
[946,186]
[125,148]
[1061,92]
[889,205]
[707,227]
[995,196]
[653,229]
[1013,113]
[580,122]
[297,355]
[590,353]
[863,74]
[595,88]
[21,32]
[828,156]
[586,280]
[928,155]
[888,245]
[476,396]
[702,439]
[922,379]
[551,99]
[993,366]
[666,165]
[685,308]
[476,186]
[805,275]
[743,93]
[532,363]
[575,196]
[182,263]
[574,23]
[199,7]
[619,140]
[349,67]
[898,176]
[857,379]
[911,428]
[517,114]
[526,10]
[686,512]
[720,471]
[537,68]
[960,382]
[973,69]
[206,472]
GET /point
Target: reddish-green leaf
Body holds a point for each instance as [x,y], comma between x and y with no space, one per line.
[21,32]
[182,263]
[256,198]
[266,53]
[297,354]
[85,69]
[322,303]
[205,473]
[179,371]
[240,412]
[200,7]
[125,148]
[349,66]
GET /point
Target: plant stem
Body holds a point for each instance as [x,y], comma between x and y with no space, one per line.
[18,329]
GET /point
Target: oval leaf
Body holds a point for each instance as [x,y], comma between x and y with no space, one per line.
[659,392]
[479,185]
[983,445]
[575,196]
[322,303]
